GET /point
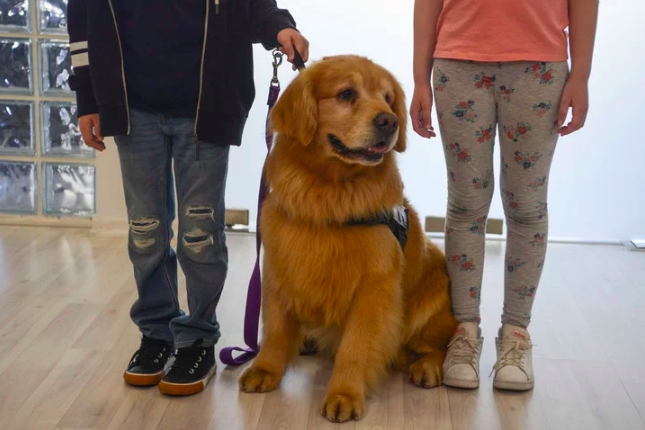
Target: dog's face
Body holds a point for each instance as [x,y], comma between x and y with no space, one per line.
[348,107]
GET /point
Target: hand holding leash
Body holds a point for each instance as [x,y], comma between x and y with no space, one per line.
[292,43]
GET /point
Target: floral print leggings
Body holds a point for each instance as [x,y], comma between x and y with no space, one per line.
[473,99]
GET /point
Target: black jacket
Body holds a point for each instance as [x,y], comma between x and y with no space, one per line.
[226,88]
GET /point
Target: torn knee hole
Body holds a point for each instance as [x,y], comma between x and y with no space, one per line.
[196,240]
[201,212]
[141,229]
[143,225]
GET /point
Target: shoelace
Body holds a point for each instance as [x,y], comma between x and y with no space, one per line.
[512,355]
[187,360]
[150,351]
[466,351]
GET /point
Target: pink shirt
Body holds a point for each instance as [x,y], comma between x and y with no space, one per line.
[503,30]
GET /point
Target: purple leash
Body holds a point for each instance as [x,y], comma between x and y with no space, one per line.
[254,295]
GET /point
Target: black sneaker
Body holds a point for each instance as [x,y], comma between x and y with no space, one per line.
[148,364]
[191,370]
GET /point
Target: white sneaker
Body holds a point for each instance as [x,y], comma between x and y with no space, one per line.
[461,366]
[514,366]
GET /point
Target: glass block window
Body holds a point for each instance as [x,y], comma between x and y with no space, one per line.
[14,16]
[52,16]
[18,187]
[15,66]
[17,128]
[61,135]
[45,168]
[56,67]
[69,189]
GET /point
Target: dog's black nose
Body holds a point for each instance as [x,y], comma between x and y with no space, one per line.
[386,122]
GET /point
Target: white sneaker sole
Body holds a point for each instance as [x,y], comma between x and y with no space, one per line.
[513,386]
[186,389]
[461,383]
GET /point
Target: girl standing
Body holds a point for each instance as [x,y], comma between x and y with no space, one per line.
[499,65]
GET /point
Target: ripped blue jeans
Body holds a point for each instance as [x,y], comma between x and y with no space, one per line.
[147,156]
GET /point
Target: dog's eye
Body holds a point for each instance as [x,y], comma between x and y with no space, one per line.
[347,95]
[388,98]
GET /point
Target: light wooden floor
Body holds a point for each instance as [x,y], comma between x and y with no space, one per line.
[65,338]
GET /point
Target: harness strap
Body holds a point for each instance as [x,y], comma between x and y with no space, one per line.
[397,220]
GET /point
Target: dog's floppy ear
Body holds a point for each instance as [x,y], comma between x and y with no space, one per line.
[400,110]
[296,113]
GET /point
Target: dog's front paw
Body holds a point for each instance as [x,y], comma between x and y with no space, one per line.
[427,372]
[339,408]
[257,380]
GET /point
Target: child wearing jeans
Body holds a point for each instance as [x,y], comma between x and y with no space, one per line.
[499,65]
[172,81]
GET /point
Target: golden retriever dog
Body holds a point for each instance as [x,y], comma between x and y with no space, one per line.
[350,287]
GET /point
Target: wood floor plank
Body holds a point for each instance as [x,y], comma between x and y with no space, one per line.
[630,371]
[21,245]
[610,303]
[27,312]
[559,327]
[25,374]
[584,395]
[14,240]
[113,271]
[106,330]
[49,402]
[28,324]
[289,408]
[426,408]
[10,308]
[56,257]
[99,402]
[66,337]
[76,276]
[232,406]
[517,410]
[385,406]
[319,389]
[636,392]
[395,404]
[630,265]
[28,258]
[142,409]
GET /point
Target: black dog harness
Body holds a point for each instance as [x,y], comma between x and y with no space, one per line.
[397,220]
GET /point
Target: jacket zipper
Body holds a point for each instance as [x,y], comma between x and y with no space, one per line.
[125,88]
[201,69]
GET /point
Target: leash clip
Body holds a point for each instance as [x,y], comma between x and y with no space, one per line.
[277,62]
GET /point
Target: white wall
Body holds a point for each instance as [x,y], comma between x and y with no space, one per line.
[598,181]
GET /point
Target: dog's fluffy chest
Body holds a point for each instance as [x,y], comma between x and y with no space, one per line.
[317,270]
